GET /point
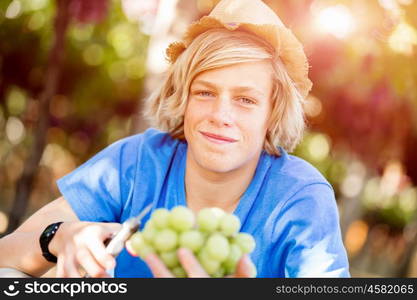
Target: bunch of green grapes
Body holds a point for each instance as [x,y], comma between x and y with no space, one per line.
[213,236]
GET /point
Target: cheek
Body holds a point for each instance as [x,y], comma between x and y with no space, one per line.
[255,136]
[188,114]
[193,114]
[254,128]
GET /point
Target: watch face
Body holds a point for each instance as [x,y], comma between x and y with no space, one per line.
[50,231]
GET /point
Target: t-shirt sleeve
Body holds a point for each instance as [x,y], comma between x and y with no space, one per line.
[98,189]
[309,233]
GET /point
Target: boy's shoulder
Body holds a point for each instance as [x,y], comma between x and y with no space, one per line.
[296,169]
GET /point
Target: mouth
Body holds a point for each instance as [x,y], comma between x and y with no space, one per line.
[217,139]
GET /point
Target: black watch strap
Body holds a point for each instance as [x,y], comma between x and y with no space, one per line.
[46,238]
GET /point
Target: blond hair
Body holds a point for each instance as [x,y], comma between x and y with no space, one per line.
[218,48]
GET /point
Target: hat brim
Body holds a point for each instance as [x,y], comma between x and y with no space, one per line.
[286,45]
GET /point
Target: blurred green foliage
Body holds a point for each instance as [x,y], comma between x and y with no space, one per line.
[362,133]
[103,74]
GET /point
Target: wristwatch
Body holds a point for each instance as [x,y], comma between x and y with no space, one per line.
[46,238]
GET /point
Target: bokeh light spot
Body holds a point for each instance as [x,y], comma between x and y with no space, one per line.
[14,9]
[15,130]
[93,55]
[336,20]
[319,147]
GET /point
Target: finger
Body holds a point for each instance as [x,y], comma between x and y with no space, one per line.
[129,248]
[113,227]
[157,266]
[100,255]
[102,231]
[190,264]
[245,268]
[60,270]
[109,229]
[70,266]
[87,261]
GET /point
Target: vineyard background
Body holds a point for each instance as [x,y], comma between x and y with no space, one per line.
[75,73]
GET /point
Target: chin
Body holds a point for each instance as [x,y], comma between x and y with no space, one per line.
[219,163]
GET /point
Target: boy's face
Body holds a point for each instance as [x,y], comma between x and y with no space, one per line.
[225,121]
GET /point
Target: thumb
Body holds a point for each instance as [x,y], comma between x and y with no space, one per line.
[245,267]
[129,248]
[110,229]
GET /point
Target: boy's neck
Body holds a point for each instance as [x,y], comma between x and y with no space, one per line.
[205,188]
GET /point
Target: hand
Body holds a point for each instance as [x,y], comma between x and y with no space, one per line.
[80,249]
[191,265]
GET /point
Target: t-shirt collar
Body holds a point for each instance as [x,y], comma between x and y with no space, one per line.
[245,203]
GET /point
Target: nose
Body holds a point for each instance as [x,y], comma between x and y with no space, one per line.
[221,113]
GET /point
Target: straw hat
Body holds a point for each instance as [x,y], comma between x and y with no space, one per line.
[256,17]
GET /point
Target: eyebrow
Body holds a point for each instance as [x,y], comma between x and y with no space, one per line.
[237,88]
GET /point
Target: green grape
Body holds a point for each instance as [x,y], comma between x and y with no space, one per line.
[245,241]
[170,258]
[137,241]
[233,258]
[192,239]
[218,212]
[179,272]
[181,218]
[215,240]
[210,265]
[219,273]
[149,231]
[229,225]
[207,220]
[165,240]
[160,218]
[217,247]
[145,250]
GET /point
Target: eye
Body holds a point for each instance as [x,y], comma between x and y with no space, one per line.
[204,93]
[246,101]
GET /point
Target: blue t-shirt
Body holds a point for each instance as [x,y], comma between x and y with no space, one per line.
[288,207]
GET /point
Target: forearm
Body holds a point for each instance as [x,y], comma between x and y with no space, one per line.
[21,251]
